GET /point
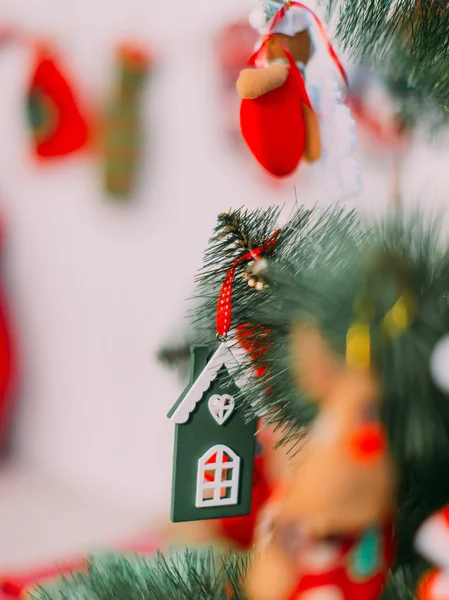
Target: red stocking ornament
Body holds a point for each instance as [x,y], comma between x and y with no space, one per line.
[273,124]
[277,120]
[57,124]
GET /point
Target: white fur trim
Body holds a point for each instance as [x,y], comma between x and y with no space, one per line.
[338,140]
[295,20]
[257,19]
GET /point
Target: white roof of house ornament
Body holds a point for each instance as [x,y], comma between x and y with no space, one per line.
[223,356]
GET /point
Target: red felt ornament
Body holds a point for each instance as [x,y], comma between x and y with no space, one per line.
[57,123]
[273,124]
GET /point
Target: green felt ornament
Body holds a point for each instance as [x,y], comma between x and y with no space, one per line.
[123,128]
[214,443]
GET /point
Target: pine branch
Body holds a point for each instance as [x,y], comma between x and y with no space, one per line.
[306,241]
[176,356]
[402,583]
[406,41]
[194,575]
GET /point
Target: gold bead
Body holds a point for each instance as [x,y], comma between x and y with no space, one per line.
[251,282]
[245,274]
[259,286]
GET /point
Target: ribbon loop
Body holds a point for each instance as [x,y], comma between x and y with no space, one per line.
[224,304]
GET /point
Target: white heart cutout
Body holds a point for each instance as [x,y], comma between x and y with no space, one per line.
[221,407]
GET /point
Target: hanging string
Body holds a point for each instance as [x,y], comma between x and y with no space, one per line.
[224,304]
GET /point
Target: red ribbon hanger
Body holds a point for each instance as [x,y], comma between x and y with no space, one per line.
[224,304]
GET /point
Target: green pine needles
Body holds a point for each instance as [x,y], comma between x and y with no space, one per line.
[334,270]
[176,357]
[193,575]
[311,239]
[407,41]
[323,262]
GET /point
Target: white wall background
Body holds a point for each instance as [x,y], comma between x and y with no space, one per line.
[97,288]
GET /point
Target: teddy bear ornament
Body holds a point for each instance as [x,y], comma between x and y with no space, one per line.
[277,119]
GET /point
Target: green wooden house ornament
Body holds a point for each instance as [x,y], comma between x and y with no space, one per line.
[214,444]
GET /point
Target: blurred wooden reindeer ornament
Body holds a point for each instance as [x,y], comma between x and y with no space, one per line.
[328,533]
[277,119]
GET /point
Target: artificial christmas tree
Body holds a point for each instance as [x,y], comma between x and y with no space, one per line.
[378,290]
[406,41]
[377,295]
[214,445]
[343,327]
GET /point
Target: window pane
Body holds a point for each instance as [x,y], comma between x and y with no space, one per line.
[208,493]
[226,474]
[209,475]
[212,459]
[225,492]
